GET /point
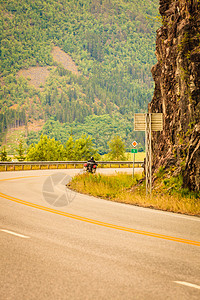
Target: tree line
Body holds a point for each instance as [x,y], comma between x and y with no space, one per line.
[48,149]
[101,129]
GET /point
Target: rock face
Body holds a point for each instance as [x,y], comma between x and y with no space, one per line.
[177,91]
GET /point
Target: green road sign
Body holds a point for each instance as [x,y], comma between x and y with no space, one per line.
[133,150]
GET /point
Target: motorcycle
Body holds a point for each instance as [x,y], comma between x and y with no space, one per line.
[90,167]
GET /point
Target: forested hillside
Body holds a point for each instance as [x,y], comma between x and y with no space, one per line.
[112,43]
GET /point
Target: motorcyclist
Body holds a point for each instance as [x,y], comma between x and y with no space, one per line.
[91,162]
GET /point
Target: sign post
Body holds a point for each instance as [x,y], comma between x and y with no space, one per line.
[148,154]
[134,151]
[148,122]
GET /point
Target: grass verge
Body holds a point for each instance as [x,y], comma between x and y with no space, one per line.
[123,188]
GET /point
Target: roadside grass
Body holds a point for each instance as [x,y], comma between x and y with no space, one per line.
[104,186]
[129,156]
[123,188]
[109,165]
[139,156]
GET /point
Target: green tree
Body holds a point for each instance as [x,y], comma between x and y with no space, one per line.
[84,148]
[117,149]
[69,149]
[46,150]
[80,149]
[20,150]
[3,155]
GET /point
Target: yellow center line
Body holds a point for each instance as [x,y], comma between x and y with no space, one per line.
[99,223]
[22,177]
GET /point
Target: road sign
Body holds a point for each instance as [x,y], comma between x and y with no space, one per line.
[148,122]
[139,122]
[156,122]
[134,144]
[133,150]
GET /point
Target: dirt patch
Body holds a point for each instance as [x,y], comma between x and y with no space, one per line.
[15,106]
[36,125]
[65,60]
[36,75]
[32,126]
[14,135]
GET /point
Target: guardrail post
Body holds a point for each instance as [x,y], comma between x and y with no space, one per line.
[5,167]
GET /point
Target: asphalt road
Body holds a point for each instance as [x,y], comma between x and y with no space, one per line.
[64,245]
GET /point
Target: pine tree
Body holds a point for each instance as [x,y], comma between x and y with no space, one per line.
[20,150]
[3,154]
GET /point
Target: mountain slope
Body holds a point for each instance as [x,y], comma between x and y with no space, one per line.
[110,41]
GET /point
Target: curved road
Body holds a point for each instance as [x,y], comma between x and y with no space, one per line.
[57,244]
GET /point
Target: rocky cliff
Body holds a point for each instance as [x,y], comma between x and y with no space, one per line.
[177,91]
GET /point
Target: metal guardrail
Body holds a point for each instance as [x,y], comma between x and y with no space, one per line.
[12,165]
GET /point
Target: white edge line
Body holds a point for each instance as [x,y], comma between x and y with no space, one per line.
[17,234]
[188,284]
